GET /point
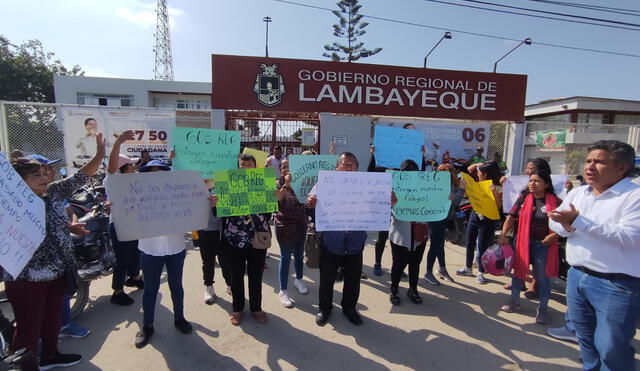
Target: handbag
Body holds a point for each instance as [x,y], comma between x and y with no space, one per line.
[71,279]
[312,244]
[261,240]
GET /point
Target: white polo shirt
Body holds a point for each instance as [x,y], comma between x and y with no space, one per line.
[170,244]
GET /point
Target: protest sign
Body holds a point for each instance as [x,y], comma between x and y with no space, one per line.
[22,220]
[446,141]
[423,196]
[81,124]
[205,150]
[157,203]
[353,201]
[481,197]
[304,172]
[260,156]
[246,191]
[394,145]
[515,184]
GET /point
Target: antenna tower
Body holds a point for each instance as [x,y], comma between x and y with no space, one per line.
[163,69]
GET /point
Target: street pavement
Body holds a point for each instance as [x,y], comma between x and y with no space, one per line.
[458,327]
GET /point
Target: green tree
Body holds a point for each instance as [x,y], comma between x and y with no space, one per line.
[349,28]
[26,72]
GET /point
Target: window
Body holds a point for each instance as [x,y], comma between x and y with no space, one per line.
[565,117]
[594,118]
[97,99]
[102,101]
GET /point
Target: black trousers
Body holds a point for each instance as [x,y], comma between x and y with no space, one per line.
[329,264]
[127,259]
[383,236]
[210,248]
[403,257]
[251,261]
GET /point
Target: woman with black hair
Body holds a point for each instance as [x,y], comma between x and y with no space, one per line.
[480,229]
[536,243]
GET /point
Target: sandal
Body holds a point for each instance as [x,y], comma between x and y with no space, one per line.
[236,318]
[260,316]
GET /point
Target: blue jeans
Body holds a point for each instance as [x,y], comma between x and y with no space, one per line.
[604,313]
[436,245]
[66,311]
[537,257]
[480,231]
[297,249]
[152,269]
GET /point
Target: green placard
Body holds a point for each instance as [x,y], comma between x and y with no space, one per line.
[246,191]
[205,150]
[304,172]
[423,196]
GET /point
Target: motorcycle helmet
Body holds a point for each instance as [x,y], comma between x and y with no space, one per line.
[498,260]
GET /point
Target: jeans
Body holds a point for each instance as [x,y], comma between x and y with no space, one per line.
[604,313]
[383,236]
[127,260]
[537,257]
[329,264]
[210,247]
[297,249]
[479,231]
[403,257]
[152,269]
[436,245]
[251,261]
[65,318]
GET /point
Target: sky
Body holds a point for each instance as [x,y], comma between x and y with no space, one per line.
[115,38]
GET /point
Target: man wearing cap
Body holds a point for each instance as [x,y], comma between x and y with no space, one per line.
[478,158]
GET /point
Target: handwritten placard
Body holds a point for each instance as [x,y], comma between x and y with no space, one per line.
[158,203]
[515,184]
[481,197]
[394,145]
[246,191]
[353,201]
[22,220]
[260,156]
[304,172]
[423,196]
[205,150]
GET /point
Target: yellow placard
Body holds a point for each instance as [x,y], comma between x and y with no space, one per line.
[481,197]
[261,156]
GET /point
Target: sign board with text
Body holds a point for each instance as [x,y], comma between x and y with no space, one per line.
[481,197]
[245,192]
[205,150]
[304,171]
[423,196]
[394,145]
[256,83]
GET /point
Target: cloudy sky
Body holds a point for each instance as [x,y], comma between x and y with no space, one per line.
[115,38]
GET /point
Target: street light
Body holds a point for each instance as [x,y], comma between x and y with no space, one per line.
[447,35]
[526,41]
[266,20]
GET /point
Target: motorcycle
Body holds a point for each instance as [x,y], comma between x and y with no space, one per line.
[457,226]
[10,360]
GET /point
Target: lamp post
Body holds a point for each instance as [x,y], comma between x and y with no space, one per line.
[266,20]
[447,35]
[526,41]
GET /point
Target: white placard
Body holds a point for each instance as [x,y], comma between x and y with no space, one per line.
[515,184]
[158,203]
[353,201]
[22,220]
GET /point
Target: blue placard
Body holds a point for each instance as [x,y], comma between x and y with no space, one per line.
[394,145]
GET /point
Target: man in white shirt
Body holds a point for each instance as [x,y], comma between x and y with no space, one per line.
[601,221]
[273,161]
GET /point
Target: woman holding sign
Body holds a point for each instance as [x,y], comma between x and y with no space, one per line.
[480,229]
[37,293]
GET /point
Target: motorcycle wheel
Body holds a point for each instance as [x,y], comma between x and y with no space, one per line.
[80,299]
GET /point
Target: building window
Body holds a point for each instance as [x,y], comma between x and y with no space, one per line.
[594,118]
[102,101]
[97,99]
[565,117]
[627,119]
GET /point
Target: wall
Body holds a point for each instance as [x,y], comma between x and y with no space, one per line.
[356,130]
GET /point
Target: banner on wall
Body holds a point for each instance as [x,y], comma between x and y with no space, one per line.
[152,129]
[256,83]
[446,141]
[551,140]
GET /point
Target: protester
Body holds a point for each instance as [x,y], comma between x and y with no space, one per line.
[237,238]
[408,241]
[437,231]
[602,224]
[127,253]
[291,229]
[536,244]
[273,161]
[478,158]
[37,293]
[497,157]
[340,248]
[155,254]
[480,229]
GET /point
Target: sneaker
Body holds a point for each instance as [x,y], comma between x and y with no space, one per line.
[414,296]
[228,289]
[480,279]
[143,336]
[209,295]
[444,275]
[183,325]
[377,270]
[543,317]
[429,277]
[511,307]
[464,272]
[284,299]
[300,286]
[363,276]
[74,331]
[130,282]
[394,298]
[121,299]
[60,360]
[563,333]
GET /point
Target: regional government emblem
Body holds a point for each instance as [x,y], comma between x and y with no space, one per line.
[269,86]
